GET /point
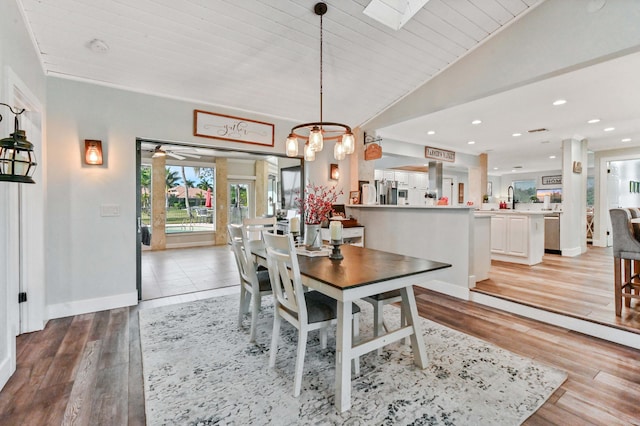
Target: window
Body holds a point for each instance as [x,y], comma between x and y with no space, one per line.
[189,198]
[524,191]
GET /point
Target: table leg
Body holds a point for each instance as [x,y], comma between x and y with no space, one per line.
[343,357]
[412,318]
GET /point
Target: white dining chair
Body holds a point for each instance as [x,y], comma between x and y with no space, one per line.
[254,227]
[306,311]
[254,283]
[378,301]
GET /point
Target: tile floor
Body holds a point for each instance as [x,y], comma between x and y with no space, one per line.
[188,270]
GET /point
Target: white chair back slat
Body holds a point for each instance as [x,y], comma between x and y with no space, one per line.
[281,255]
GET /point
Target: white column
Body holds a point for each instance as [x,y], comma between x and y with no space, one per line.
[573,220]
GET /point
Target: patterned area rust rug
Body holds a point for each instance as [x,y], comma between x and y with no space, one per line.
[200,369]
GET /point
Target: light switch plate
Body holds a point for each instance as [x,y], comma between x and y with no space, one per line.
[110,210]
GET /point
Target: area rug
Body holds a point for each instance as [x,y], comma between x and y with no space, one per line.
[200,369]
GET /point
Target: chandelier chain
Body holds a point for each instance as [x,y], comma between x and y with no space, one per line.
[321,40]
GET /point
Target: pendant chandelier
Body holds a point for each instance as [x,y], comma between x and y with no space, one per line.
[317,132]
[17,159]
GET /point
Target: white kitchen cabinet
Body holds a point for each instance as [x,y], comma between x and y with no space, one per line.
[378,174]
[402,178]
[389,175]
[353,235]
[418,180]
[498,234]
[517,238]
[509,235]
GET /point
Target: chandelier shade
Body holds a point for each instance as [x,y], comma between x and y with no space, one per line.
[309,154]
[17,159]
[316,133]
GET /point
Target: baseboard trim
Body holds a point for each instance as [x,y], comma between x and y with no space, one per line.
[5,371]
[589,328]
[446,288]
[79,307]
[190,244]
[572,252]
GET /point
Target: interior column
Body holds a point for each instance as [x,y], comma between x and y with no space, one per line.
[222,212]
[158,202]
[573,220]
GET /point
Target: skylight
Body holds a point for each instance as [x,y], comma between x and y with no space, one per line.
[393,13]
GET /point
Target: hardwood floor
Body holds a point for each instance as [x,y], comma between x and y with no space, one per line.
[580,286]
[86,370]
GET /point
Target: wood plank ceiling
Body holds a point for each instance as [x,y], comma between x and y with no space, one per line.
[261,56]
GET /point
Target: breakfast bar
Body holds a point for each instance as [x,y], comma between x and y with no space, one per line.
[442,233]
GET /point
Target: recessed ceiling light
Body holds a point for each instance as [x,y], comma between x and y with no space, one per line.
[513,170]
[559,102]
[476,122]
[515,135]
[593,121]
[431,132]
[552,156]
[609,129]
[471,142]
[626,140]
[495,168]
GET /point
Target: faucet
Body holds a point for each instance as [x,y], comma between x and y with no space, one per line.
[509,197]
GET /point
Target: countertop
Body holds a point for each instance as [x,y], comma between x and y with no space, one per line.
[395,206]
[517,212]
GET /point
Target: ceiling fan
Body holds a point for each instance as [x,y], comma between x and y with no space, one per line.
[159,151]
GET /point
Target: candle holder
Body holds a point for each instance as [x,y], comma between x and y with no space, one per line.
[335,252]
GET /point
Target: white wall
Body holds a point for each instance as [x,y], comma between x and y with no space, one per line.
[91,259]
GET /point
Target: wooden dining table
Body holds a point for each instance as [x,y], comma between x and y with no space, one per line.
[366,272]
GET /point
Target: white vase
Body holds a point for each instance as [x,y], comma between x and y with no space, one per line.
[312,236]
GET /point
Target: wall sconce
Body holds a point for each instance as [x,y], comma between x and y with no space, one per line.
[334,172]
[17,159]
[93,152]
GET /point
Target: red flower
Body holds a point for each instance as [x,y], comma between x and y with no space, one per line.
[318,203]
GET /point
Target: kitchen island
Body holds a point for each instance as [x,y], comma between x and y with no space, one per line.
[517,236]
[441,233]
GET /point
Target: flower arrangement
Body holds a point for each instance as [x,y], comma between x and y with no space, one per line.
[318,203]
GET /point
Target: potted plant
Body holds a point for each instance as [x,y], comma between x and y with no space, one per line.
[316,207]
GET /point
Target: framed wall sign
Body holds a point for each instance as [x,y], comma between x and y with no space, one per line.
[230,128]
[439,154]
[552,180]
[577,167]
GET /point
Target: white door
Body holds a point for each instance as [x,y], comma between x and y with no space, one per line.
[613,200]
[22,222]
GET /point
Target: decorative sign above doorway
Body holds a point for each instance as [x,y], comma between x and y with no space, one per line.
[230,128]
[552,180]
[439,154]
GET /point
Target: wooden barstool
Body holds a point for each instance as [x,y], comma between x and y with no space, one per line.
[626,258]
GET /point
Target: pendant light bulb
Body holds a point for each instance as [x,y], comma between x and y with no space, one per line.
[338,151]
[349,143]
[292,145]
[315,139]
[309,154]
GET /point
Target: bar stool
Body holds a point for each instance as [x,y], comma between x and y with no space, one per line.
[626,255]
